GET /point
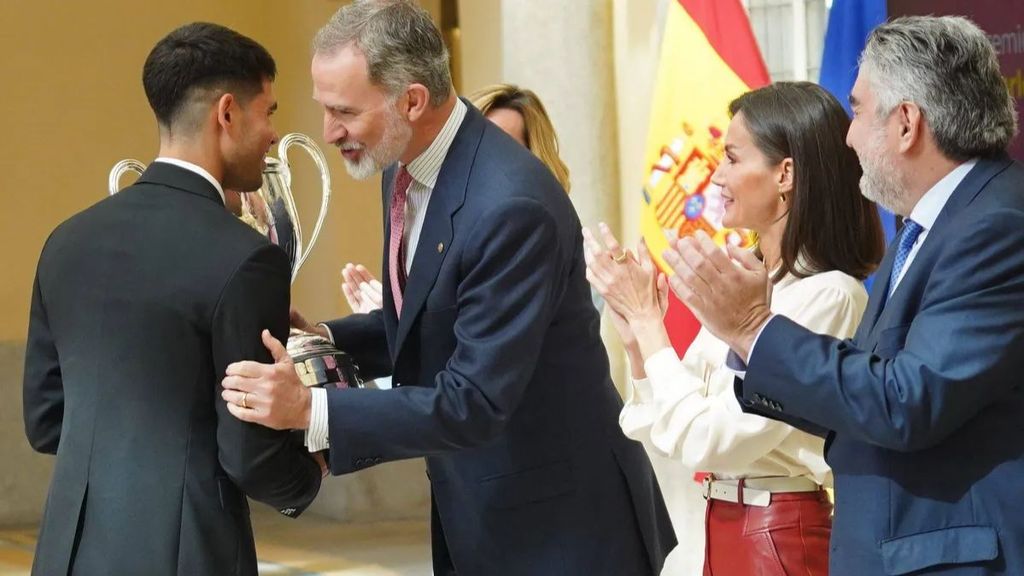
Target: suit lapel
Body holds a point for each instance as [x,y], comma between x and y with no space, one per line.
[447,197]
[878,290]
[876,315]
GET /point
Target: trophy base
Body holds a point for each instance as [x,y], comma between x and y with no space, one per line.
[319,364]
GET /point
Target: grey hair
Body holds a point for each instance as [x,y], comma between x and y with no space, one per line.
[947,66]
[400,42]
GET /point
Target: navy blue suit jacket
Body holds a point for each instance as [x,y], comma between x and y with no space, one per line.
[923,408]
[502,381]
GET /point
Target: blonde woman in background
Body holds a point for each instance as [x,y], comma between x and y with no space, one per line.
[517,111]
[520,113]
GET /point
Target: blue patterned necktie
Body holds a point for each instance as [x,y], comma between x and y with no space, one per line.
[908,235]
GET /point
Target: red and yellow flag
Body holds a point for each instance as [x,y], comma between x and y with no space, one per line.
[708,58]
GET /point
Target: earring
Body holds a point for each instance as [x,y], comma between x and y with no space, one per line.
[782,196]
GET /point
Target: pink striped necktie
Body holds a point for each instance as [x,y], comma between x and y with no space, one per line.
[396,245]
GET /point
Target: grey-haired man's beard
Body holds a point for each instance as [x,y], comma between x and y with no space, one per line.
[393,142]
[880,182]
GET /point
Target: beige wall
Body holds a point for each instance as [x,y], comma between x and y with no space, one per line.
[73,105]
[593,64]
[481,39]
[637,38]
[526,48]
[24,475]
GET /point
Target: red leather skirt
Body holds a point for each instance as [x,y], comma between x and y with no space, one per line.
[787,537]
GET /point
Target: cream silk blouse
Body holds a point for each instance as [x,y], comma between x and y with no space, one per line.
[687,411]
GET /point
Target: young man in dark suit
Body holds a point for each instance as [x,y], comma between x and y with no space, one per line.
[140,303]
[923,409]
[500,377]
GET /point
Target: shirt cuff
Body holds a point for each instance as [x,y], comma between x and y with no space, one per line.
[330,335]
[754,343]
[640,391]
[736,365]
[317,436]
[663,368]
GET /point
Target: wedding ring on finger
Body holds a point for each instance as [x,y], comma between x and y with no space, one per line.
[245,395]
[620,257]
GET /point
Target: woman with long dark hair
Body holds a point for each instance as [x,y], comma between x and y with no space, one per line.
[788,176]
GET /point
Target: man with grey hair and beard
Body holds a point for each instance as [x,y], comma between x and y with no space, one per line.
[500,377]
[923,409]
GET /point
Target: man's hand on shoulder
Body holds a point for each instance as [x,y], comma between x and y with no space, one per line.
[268,394]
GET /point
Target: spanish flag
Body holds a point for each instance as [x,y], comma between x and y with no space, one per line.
[708,58]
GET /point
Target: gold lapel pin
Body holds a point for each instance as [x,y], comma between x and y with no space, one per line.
[440,247]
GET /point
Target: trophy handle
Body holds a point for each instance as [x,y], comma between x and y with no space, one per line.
[307,144]
[119,169]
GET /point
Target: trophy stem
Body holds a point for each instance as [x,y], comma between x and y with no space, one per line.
[307,144]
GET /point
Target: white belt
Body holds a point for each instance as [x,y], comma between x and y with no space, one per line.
[756,491]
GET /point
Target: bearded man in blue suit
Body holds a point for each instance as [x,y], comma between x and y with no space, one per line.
[923,409]
[500,377]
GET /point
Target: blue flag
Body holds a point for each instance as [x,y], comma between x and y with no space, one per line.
[849,23]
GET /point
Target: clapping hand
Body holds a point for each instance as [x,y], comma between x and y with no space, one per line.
[363,292]
[635,290]
[632,285]
[728,291]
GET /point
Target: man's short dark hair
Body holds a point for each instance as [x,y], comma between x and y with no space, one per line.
[203,60]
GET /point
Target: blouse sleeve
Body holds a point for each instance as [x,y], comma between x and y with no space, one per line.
[639,413]
[711,432]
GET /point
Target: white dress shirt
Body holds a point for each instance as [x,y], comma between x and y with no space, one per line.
[198,170]
[687,415]
[927,209]
[424,170]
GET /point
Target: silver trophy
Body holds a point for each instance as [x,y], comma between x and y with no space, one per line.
[271,211]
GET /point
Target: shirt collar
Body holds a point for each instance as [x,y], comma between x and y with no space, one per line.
[426,167]
[927,209]
[198,170]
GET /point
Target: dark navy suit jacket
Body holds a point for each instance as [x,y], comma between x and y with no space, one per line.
[139,305]
[923,408]
[502,381]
